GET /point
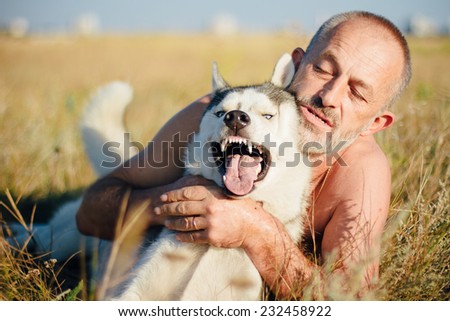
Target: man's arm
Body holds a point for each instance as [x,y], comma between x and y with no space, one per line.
[142,179]
[355,229]
[361,196]
[242,223]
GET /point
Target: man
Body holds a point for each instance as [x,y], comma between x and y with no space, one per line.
[354,68]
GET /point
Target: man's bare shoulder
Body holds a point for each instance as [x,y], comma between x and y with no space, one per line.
[363,153]
[362,163]
[359,182]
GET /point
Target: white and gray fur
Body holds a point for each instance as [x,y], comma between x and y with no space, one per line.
[170,270]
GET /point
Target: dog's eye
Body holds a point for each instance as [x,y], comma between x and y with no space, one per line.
[219,113]
[267,116]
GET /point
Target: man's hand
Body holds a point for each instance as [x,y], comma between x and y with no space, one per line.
[203,214]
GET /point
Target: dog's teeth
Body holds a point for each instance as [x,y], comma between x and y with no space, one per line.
[244,141]
[223,145]
[224,178]
[240,140]
[250,147]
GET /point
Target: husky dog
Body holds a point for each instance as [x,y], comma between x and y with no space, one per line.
[248,143]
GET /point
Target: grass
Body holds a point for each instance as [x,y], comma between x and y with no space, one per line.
[45,82]
[416,260]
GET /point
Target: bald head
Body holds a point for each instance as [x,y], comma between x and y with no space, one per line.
[359,23]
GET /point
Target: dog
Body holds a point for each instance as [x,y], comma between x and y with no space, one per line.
[247,143]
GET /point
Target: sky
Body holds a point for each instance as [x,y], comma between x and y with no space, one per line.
[196,15]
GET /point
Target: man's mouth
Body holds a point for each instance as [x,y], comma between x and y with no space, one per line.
[241,163]
[315,117]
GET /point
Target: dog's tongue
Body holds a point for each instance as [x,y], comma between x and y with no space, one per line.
[242,171]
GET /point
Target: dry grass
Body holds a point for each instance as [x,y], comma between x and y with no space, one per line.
[416,263]
[44,83]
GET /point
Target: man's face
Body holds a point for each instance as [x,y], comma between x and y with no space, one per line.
[344,82]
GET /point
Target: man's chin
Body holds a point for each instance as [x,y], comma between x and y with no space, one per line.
[318,145]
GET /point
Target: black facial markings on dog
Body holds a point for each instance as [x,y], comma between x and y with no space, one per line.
[275,95]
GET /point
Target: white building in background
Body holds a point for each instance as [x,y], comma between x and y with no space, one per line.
[422,26]
[87,24]
[18,27]
[224,25]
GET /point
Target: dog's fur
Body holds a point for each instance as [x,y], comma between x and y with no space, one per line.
[170,270]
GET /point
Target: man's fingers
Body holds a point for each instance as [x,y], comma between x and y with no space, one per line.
[185,224]
[199,237]
[190,193]
[186,208]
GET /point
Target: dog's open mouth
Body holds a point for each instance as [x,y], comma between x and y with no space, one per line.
[241,163]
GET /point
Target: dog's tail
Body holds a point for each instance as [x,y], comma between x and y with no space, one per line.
[102,127]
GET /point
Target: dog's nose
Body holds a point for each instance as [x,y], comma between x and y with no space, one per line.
[236,120]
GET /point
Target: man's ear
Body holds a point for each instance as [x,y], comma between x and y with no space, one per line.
[297,56]
[382,121]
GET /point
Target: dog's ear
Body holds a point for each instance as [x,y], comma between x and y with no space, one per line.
[217,80]
[284,71]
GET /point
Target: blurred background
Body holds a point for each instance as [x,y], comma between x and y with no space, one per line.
[20,17]
[54,54]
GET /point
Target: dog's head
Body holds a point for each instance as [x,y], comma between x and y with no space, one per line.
[243,130]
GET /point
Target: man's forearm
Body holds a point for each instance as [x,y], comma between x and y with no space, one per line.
[281,263]
[109,201]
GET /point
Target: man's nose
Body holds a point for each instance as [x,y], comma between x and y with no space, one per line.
[333,92]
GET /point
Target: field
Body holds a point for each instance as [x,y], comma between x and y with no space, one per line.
[46,81]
